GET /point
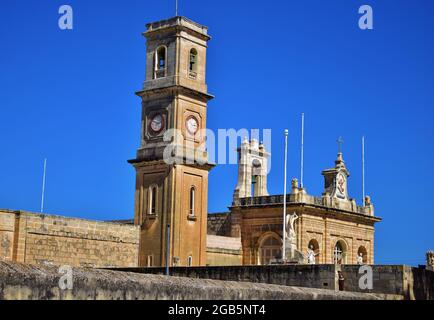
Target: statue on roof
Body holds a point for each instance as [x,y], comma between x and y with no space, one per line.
[290,229]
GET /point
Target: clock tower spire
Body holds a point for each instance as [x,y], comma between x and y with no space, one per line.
[171,163]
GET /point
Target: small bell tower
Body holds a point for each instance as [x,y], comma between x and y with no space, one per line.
[252,170]
[335,180]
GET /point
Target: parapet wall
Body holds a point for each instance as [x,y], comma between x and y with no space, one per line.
[311,276]
[20,281]
[48,239]
[411,283]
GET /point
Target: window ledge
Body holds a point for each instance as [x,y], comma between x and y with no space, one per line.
[191,218]
[152,216]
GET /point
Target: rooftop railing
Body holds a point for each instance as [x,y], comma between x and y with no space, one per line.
[304,198]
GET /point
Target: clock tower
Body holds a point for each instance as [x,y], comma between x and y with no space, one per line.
[171,163]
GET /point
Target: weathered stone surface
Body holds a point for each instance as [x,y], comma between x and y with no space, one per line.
[312,276]
[20,281]
[223,251]
[411,283]
[48,239]
[219,224]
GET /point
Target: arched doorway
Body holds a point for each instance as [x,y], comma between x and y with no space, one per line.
[270,248]
[362,250]
[340,252]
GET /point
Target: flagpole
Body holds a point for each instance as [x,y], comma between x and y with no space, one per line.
[176,8]
[302,150]
[43,185]
[363,170]
[284,198]
[168,250]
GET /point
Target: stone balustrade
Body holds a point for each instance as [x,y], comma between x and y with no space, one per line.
[304,198]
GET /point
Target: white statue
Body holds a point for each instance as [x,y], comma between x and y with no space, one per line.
[360,259]
[311,255]
[290,230]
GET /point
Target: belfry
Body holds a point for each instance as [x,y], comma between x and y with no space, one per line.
[171,169]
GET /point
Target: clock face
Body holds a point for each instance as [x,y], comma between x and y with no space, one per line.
[157,123]
[192,125]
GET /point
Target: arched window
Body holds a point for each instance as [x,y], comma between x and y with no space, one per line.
[192,65]
[153,200]
[270,249]
[189,261]
[192,211]
[160,62]
[339,252]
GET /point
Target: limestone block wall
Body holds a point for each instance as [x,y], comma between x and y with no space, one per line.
[326,231]
[22,281]
[412,283]
[312,276]
[223,257]
[48,239]
[323,227]
[396,280]
[7,228]
[219,224]
[223,251]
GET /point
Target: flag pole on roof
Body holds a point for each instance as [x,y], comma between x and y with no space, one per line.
[43,185]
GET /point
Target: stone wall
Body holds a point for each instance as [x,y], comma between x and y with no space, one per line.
[48,239]
[7,240]
[311,276]
[412,283]
[223,257]
[20,281]
[223,251]
[408,282]
[219,224]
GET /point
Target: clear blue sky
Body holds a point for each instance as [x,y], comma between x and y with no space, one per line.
[69,96]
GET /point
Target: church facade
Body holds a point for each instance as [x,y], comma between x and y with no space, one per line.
[171,219]
[331,225]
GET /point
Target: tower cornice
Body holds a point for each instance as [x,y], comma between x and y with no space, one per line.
[176,25]
[174,89]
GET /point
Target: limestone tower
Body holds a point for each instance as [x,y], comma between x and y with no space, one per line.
[171,162]
[252,170]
